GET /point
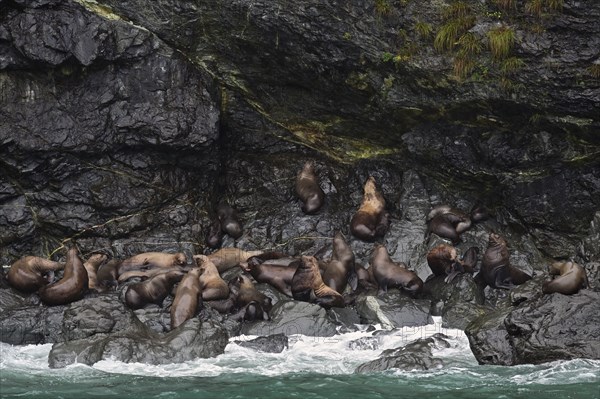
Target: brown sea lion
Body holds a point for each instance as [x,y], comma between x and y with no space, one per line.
[188,297]
[442,259]
[279,276]
[212,285]
[341,266]
[308,189]
[308,286]
[106,277]
[214,237]
[496,269]
[230,222]
[389,274]
[246,293]
[91,267]
[448,222]
[152,260]
[30,273]
[572,278]
[226,258]
[146,274]
[71,287]
[371,220]
[154,290]
[469,260]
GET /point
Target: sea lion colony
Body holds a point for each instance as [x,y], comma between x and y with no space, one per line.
[329,283]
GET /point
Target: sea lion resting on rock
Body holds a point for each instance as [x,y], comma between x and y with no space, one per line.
[443,260]
[496,269]
[152,260]
[308,286]
[212,285]
[214,237]
[308,189]
[107,275]
[277,275]
[230,222]
[226,258]
[341,266]
[91,267]
[71,287]
[154,290]
[188,297]
[371,220]
[30,273]
[389,274]
[146,274]
[250,302]
[572,278]
[450,223]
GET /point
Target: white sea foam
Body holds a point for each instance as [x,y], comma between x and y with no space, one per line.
[325,355]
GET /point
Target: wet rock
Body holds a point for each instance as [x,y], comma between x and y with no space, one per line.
[293,317]
[90,316]
[415,356]
[541,329]
[32,325]
[393,310]
[461,314]
[273,343]
[347,318]
[364,343]
[194,339]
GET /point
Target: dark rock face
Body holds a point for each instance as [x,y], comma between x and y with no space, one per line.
[542,329]
[103,127]
[394,310]
[273,343]
[415,356]
[194,339]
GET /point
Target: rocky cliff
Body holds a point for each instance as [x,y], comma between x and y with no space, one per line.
[123,123]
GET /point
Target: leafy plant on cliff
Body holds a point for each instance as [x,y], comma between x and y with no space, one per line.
[464,62]
[594,71]
[383,7]
[501,40]
[423,29]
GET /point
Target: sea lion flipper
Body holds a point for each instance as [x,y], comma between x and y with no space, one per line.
[451,276]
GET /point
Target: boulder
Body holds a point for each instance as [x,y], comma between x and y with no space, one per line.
[393,310]
[193,339]
[273,343]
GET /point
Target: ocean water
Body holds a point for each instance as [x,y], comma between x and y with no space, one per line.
[312,367]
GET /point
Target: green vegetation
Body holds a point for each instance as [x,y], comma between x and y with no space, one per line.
[423,29]
[463,66]
[505,4]
[459,19]
[383,7]
[510,65]
[501,40]
[537,7]
[594,71]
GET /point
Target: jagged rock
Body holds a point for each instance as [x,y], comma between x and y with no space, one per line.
[541,329]
[32,325]
[194,339]
[415,356]
[273,343]
[347,318]
[293,317]
[364,343]
[393,310]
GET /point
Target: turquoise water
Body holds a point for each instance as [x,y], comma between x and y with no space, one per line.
[310,368]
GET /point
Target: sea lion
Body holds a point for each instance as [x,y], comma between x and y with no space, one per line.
[371,220]
[188,296]
[469,260]
[146,274]
[71,287]
[247,293]
[226,258]
[154,290]
[572,278]
[389,274]
[212,285]
[496,269]
[307,285]
[30,273]
[106,277]
[91,267]
[214,237]
[308,189]
[230,222]
[448,222]
[152,260]
[278,276]
[443,261]
[341,266]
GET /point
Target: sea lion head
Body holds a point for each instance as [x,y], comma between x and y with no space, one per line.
[179,259]
[496,240]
